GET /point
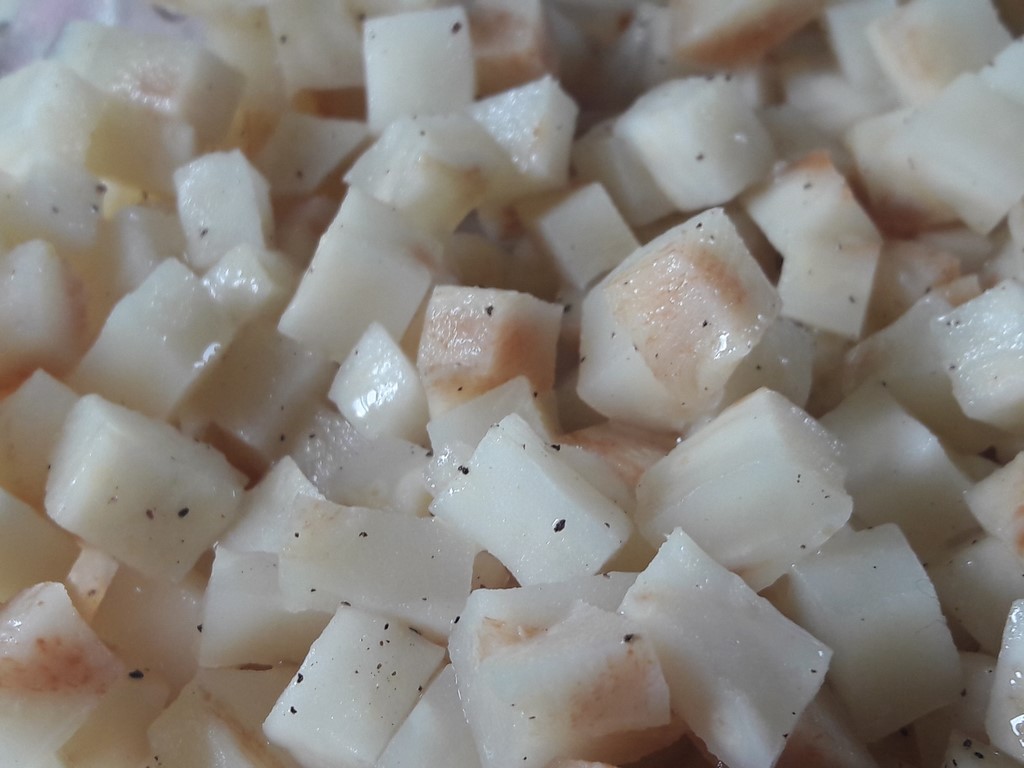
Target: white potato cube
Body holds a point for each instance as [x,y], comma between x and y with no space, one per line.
[846,25]
[40,314]
[971,165]
[710,33]
[216,720]
[55,672]
[757,488]
[370,265]
[378,389]
[529,509]
[824,733]
[176,76]
[684,309]
[31,419]
[602,156]
[435,732]
[511,43]
[32,549]
[304,150]
[923,45]
[89,579]
[1004,73]
[1005,712]
[250,282]
[830,250]
[435,169]
[534,123]
[783,361]
[223,201]
[585,235]
[157,342]
[359,682]
[738,671]
[981,344]
[908,270]
[476,338]
[245,619]
[417,63]
[417,570]
[976,584]
[868,597]
[319,44]
[996,501]
[139,489]
[49,115]
[699,139]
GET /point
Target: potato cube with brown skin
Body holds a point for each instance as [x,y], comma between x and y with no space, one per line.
[712,33]
[830,248]
[683,311]
[477,338]
[139,489]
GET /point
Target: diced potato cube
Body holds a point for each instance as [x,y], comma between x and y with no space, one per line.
[728,655]
[758,488]
[32,549]
[534,123]
[1004,717]
[981,343]
[830,250]
[176,76]
[319,44]
[304,150]
[699,139]
[40,313]
[417,63]
[783,361]
[139,489]
[687,307]
[924,44]
[511,43]
[361,679]
[1006,72]
[417,570]
[907,271]
[585,235]
[868,597]
[89,579]
[251,282]
[378,389]
[476,338]
[528,508]
[156,343]
[847,25]
[223,202]
[998,503]
[370,265]
[711,33]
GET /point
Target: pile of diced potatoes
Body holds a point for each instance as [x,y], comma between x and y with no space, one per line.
[551,383]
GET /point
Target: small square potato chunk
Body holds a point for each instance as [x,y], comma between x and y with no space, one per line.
[139,489]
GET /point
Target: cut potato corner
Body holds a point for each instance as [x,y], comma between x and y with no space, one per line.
[223,201]
[32,550]
[847,27]
[318,45]
[114,736]
[435,169]
[416,570]
[245,617]
[378,389]
[511,43]
[899,472]
[628,452]
[251,282]
[518,500]
[758,488]
[1005,712]
[699,139]
[359,682]
[1004,73]
[477,338]
[435,733]
[369,251]
[980,343]
[907,271]
[55,673]
[216,719]
[866,591]
[829,252]
[783,361]
[40,313]
[709,33]
[664,331]
[175,76]
[89,578]
[996,503]
[417,63]
[923,45]
[498,623]
[138,489]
